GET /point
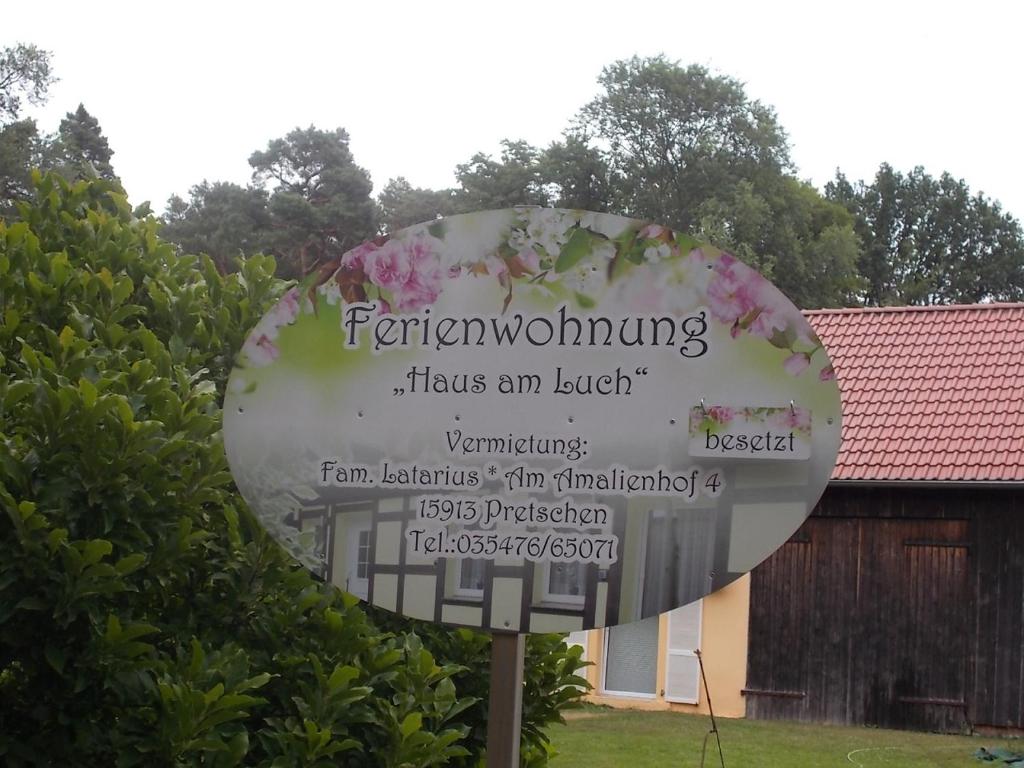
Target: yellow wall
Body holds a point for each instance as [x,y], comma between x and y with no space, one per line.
[724,624]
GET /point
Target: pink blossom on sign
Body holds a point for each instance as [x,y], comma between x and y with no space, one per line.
[356,258]
[733,290]
[259,347]
[422,286]
[409,269]
[796,363]
[721,413]
[495,266]
[530,260]
[260,350]
[285,311]
[792,418]
[388,267]
[773,314]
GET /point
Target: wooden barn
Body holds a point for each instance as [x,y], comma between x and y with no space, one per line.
[900,602]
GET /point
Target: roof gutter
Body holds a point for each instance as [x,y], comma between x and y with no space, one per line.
[930,483]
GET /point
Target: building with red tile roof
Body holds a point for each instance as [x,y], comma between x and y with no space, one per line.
[900,601]
[930,394]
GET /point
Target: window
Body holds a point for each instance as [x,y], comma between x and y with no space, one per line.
[357,572]
[565,583]
[631,659]
[363,554]
[471,576]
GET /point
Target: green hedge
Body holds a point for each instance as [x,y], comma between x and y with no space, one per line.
[145,617]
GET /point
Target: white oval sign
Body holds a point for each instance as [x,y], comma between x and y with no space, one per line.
[533,420]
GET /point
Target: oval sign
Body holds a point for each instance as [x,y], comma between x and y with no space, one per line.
[533,420]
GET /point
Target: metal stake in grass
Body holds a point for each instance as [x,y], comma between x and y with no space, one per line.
[711,711]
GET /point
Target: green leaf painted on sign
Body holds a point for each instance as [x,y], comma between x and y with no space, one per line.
[579,246]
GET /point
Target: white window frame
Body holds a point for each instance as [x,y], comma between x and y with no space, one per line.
[359,586]
[559,598]
[604,673]
[460,592]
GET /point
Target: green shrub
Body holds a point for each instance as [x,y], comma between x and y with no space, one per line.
[145,617]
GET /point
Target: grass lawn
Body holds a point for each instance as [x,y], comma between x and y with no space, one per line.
[608,738]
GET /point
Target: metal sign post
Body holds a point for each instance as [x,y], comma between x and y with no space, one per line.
[505,703]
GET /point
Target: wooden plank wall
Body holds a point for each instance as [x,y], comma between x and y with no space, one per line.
[894,607]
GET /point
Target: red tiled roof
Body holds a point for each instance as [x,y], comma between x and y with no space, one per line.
[929,393]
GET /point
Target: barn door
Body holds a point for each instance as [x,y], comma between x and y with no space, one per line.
[930,679]
[862,621]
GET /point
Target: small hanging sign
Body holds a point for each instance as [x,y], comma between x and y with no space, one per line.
[752,433]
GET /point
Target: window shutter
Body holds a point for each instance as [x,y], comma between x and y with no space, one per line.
[682,670]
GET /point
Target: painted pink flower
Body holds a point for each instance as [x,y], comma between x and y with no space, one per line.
[407,269]
[796,363]
[722,414]
[774,313]
[530,260]
[286,310]
[651,232]
[733,291]
[260,350]
[792,418]
[828,373]
[356,258]
[388,267]
[495,266]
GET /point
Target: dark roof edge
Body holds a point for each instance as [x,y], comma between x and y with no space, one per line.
[933,483]
[924,308]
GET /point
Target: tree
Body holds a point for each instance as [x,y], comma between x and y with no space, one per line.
[514,179]
[677,137]
[787,231]
[931,241]
[220,219]
[80,150]
[402,205]
[20,148]
[689,149]
[25,73]
[320,204]
[577,175]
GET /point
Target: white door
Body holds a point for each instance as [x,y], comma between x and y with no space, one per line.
[357,579]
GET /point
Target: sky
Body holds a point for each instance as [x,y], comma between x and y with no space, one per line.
[186,91]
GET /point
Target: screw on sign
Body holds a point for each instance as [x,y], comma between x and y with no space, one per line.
[482,398]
